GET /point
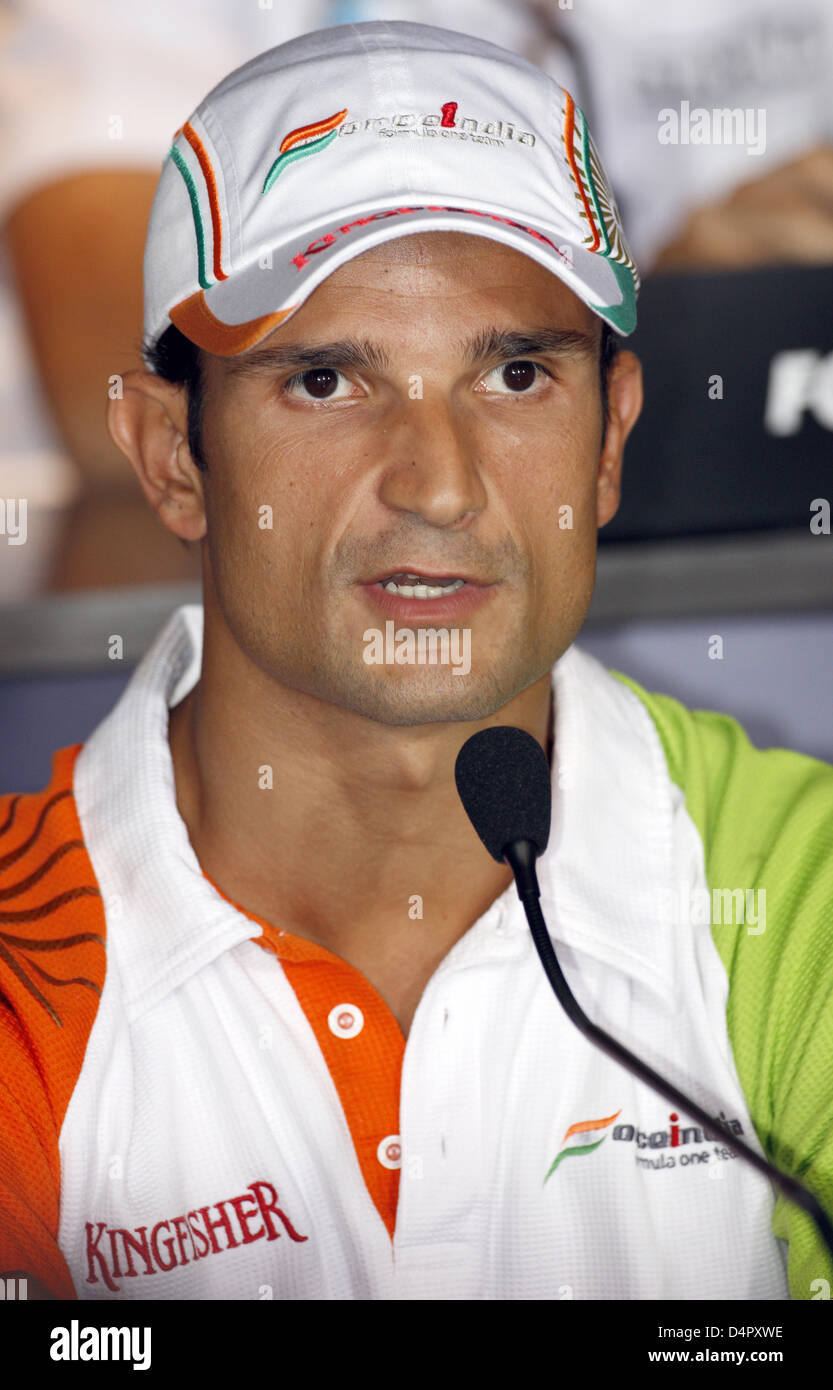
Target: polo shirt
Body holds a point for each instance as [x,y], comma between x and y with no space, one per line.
[196,1105]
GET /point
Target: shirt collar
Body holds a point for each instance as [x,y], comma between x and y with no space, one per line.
[602,876]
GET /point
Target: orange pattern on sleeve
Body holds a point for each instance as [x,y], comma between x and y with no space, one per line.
[52,966]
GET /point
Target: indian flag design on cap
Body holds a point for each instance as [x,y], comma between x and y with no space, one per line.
[586,1136]
[202,188]
[597,205]
[305,139]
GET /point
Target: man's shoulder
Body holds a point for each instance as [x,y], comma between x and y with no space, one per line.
[764,818]
[765,821]
[53,931]
[730,783]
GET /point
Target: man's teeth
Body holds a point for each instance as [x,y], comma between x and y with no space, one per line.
[411,587]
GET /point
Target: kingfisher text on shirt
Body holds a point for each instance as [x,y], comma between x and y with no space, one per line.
[195,1226]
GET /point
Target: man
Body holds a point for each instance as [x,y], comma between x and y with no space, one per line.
[307,1048]
[89,96]
[88,100]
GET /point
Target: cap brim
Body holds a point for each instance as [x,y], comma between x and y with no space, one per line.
[232,316]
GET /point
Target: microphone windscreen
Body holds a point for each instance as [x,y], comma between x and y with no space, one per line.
[503,778]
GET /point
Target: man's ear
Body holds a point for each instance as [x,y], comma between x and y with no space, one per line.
[148,422]
[624,393]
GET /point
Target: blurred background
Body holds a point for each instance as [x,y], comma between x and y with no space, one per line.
[715,125]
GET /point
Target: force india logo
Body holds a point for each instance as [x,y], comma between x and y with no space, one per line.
[443,123]
[311,139]
[586,1136]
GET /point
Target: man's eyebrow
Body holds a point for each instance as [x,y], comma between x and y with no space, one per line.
[344,354]
[509,344]
[362,354]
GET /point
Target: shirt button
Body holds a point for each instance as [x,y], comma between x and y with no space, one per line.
[389,1152]
[345,1020]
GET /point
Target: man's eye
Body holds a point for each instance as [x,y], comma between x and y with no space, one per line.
[514,378]
[318,383]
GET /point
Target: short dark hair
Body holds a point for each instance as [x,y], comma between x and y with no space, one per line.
[176,359]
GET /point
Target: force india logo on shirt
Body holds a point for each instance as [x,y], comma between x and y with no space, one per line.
[586,1136]
[114,1253]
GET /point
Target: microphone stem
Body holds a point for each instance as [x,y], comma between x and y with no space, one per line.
[520,855]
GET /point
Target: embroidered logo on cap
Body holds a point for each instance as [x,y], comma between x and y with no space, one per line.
[304,139]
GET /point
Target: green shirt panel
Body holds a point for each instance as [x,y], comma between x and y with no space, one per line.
[765,818]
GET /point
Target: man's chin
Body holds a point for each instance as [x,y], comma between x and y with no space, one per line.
[427,696]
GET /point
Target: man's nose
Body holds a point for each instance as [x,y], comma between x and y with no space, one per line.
[432,468]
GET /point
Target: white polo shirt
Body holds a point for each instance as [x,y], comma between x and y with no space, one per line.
[247,1120]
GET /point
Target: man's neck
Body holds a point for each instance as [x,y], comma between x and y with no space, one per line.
[351,833]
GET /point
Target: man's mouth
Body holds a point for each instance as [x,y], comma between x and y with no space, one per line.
[420,586]
[415,594]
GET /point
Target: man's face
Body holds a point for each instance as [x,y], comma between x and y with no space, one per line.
[437,454]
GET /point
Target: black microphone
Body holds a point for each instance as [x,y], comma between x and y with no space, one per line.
[503,779]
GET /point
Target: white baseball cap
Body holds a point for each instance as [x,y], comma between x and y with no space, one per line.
[319,149]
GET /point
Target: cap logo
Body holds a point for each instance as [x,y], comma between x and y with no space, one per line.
[210,182]
[304,139]
[424,124]
[597,207]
